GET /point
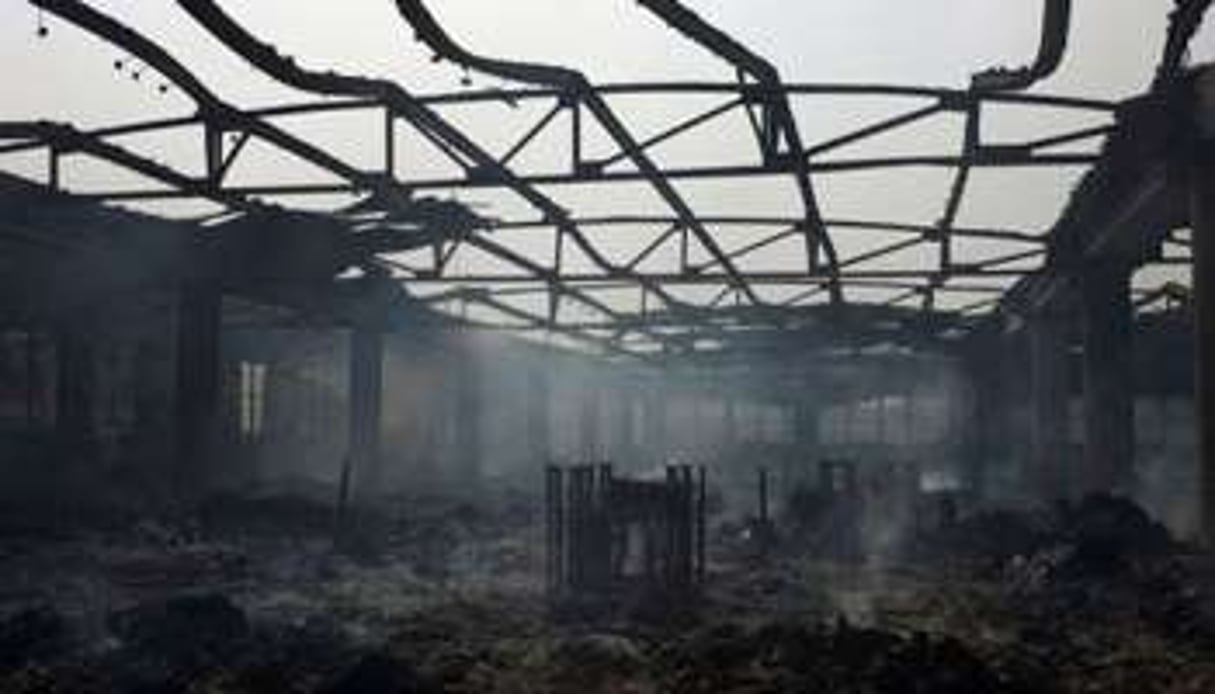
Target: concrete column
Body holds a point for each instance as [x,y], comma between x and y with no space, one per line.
[1109,417]
[198,377]
[365,407]
[984,366]
[1202,222]
[1048,406]
[74,391]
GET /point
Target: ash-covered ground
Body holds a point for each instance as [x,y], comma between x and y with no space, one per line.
[433,595]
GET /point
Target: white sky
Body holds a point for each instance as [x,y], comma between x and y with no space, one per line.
[1114,47]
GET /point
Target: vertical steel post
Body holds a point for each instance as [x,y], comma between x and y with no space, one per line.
[1049,411]
[1202,222]
[198,378]
[75,390]
[701,520]
[1109,421]
[763,495]
[365,395]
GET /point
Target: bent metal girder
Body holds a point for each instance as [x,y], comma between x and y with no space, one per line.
[655,316]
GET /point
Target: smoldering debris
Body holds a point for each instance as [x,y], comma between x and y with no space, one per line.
[1093,596]
[781,656]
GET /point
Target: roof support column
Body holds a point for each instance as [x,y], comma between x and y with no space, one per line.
[1109,416]
[984,368]
[74,391]
[196,406]
[1202,221]
[1048,406]
[365,405]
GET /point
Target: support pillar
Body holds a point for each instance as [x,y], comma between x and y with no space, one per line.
[74,391]
[1048,407]
[985,369]
[1202,223]
[198,377]
[1109,417]
[366,397]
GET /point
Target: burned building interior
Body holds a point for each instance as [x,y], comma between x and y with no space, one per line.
[656,346]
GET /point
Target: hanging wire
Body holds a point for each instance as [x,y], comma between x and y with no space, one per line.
[43,31]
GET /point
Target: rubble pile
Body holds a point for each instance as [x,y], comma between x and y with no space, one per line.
[787,657]
[1096,593]
[1090,597]
[30,634]
[1098,556]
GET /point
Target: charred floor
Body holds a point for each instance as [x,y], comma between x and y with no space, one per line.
[488,423]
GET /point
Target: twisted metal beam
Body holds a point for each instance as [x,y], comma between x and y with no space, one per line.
[1056,22]
[1184,21]
[214,111]
[218,116]
[776,98]
[64,139]
[268,60]
[574,85]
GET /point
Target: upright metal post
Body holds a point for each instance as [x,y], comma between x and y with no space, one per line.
[1202,222]
[763,495]
[1109,421]
[671,526]
[983,370]
[1048,411]
[554,520]
[74,390]
[198,378]
[701,520]
[687,527]
[366,386]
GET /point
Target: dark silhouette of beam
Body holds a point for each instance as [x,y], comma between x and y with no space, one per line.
[773,95]
[1056,22]
[284,69]
[573,85]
